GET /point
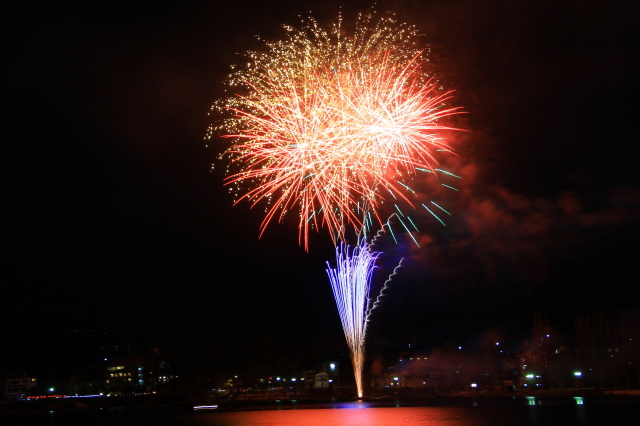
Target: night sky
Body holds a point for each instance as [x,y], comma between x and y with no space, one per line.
[115,221]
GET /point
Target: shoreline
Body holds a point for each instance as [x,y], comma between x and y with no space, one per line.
[183,403]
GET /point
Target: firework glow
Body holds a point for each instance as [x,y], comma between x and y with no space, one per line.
[351,285]
[328,127]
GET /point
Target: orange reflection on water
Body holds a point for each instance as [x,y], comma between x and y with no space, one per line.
[388,416]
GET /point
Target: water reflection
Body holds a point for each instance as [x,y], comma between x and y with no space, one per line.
[530,411]
[356,415]
[518,410]
[359,404]
[477,412]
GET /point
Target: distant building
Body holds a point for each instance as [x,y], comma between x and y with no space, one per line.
[131,374]
[127,375]
[16,388]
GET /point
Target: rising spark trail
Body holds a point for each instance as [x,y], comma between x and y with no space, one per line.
[351,282]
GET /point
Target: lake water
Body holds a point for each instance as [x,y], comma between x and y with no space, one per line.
[456,412]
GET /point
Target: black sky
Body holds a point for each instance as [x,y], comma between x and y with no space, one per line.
[115,220]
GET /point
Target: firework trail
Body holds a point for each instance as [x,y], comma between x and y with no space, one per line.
[351,285]
[385,285]
[328,127]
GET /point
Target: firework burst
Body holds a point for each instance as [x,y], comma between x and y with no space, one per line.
[328,127]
